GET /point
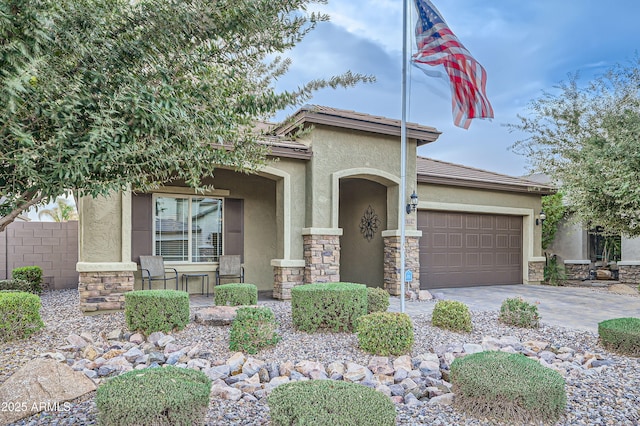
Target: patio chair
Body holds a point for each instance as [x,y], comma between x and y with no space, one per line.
[229,267]
[153,269]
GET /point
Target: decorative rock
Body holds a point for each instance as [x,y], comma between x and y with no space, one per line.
[87,336]
[277,381]
[41,381]
[446,399]
[400,375]
[235,362]
[57,356]
[336,368]
[306,367]
[113,353]
[136,338]
[76,341]
[356,372]
[536,345]
[264,375]
[425,295]
[547,356]
[221,390]
[165,340]
[251,366]
[383,379]
[132,354]
[198,364]
[403,363]
[411,400]
[217,372]
[318,375]
[252,380]
[397,390]
[286,368]
[175,357]
[408,384]
[157,357]
[380,365]
[90,352]
[115,334]
[155,336]
[170,348]
[471,348]
[384,390]
[90,373]
[216,315]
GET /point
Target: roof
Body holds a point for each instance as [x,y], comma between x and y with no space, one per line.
[316,114]
[444,173]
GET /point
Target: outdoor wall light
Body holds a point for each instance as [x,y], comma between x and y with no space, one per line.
[411,207]
[542,217]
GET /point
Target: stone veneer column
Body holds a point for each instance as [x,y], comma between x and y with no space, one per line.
[104,291]
[392,265]
[577,269]
[535,273]
[286,275]
[321,252]
[629,272]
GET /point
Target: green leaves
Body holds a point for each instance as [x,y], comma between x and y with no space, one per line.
[587,138]
[101,95]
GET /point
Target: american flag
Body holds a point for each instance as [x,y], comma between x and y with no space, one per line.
[438,45]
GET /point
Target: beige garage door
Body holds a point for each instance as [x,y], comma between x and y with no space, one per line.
[467,249]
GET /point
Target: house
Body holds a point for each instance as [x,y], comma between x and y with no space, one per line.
[582,250]
[326,209]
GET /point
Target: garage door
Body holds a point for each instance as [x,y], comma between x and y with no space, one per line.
[467,249]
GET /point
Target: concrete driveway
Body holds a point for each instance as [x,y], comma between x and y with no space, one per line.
[575,307]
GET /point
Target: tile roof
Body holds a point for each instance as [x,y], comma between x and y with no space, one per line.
[444,173]
[317,114]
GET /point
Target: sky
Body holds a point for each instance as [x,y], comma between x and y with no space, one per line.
[526,47]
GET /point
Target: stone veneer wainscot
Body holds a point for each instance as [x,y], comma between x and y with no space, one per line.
[392,263]
[104,291]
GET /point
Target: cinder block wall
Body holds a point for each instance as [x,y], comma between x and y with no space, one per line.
[50,245]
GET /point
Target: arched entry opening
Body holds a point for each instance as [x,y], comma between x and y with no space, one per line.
[362,217]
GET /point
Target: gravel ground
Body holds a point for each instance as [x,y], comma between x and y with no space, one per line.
[611,397]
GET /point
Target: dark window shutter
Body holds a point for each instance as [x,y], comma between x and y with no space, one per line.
[234,226]
[141,226]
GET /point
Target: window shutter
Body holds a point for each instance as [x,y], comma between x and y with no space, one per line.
[141,226]
[234,226]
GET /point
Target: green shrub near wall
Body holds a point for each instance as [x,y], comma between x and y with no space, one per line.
[253,329]
[329,403]
[19,315]
[32,274]
[621,335]
[334,306]
[452,315]
[156,310]
[236,294]
[18,285]
[508,387]
[377,299]
[385,333]
[154,396]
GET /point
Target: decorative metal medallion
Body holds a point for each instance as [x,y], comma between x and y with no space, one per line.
[369,223]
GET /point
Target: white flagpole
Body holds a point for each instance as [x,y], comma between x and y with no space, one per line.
[403,152]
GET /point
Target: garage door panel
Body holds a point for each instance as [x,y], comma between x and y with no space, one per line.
[469,249]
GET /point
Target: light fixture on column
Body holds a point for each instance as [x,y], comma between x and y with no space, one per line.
[540,219]
[413,203]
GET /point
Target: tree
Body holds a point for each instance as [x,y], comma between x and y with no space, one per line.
[587,138]
[554,211]
[100,95]
[62,212]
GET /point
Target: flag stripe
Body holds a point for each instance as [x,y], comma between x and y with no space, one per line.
[438,45]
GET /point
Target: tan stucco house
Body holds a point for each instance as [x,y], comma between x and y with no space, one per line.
[327,208]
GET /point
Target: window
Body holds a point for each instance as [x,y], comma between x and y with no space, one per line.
[188,228]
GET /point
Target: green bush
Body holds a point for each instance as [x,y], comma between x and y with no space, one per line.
[19,315]
[32,274]
[253,329]
[377,299]
[154,396]
[335,306]
[156,310]
[18,285]
[236,294]
[508,387]
[329,403]
[385,333]
[554,273]
[621,335]
[452,315]
[517,312]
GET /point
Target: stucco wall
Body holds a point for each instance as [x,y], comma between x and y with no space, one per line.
[361,260]
[570,243]
[339,150]
[100,229]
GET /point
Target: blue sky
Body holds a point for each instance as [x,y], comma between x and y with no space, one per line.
[525,47]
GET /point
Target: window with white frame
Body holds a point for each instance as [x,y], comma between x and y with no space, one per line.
[187,228]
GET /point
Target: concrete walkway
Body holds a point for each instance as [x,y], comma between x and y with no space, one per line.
[575,307]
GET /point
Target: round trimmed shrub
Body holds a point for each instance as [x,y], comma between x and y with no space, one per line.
[148,311]
[329,403]
[385,333]
[154,396]
[508,387]
[17,285]
[236,294]
[621,335]
[31,274]
[377,299]
[452,315]
[333,306]
[19,315]
[253,329]
[517,312]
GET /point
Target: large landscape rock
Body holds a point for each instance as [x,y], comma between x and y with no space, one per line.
[216,315]
[42,384]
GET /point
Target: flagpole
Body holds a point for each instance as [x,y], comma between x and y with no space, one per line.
[403,154]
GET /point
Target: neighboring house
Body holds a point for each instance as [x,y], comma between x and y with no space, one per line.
[581,250]
[327,208]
